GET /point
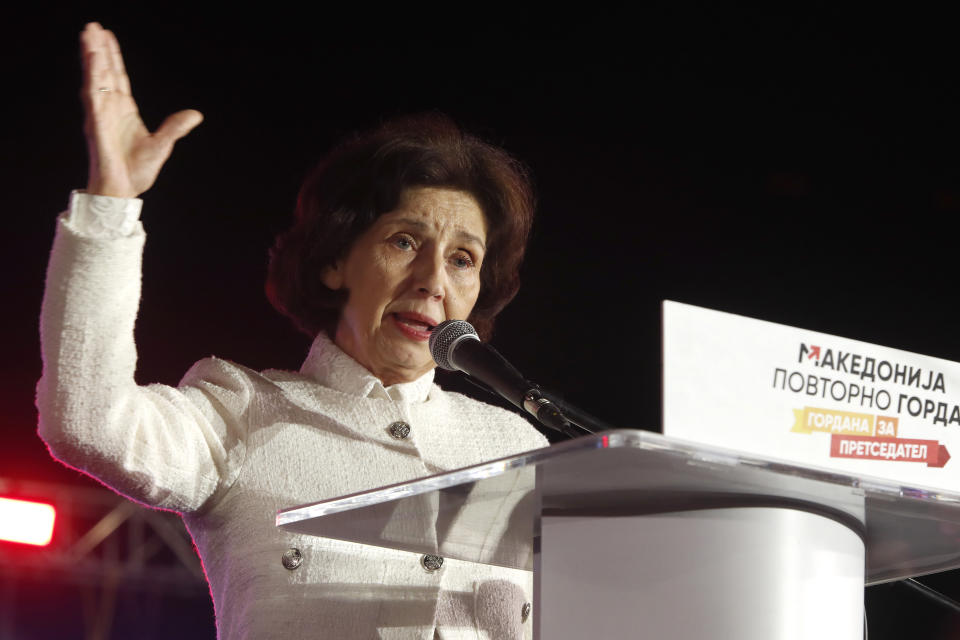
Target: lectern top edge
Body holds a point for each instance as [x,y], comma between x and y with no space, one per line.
[696,453]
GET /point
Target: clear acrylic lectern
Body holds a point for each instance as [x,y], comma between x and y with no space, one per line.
[632,534]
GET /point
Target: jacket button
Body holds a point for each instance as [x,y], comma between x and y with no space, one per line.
[431,563]
[399,430]
[292,558]
[525,612]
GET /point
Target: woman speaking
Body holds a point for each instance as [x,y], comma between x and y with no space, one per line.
[396,231]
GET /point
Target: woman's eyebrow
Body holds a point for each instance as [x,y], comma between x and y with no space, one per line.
[410,222]
[472,238]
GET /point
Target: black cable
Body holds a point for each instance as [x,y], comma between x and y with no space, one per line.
[932,594]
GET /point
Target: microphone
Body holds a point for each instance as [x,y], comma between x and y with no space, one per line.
[455,346]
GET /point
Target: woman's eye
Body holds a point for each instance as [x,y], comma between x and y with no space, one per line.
[462,261]
[403,242]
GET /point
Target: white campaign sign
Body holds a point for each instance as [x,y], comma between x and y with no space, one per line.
[810,398]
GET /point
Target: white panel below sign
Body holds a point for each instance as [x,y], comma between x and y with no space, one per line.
[809,398]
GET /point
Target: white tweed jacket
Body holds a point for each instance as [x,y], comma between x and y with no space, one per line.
[230,446]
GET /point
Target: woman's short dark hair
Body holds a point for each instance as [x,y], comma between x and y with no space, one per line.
[363,178]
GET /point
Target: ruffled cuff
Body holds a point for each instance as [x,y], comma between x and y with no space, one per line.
[102,216]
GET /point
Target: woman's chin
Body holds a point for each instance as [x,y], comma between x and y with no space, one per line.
[406,359]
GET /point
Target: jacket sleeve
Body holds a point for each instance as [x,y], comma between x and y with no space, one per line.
[166,447]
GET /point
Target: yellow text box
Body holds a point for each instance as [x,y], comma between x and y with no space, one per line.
[810,419]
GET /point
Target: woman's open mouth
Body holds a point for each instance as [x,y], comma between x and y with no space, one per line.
[414,325]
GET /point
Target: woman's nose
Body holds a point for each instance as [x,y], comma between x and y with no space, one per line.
[429,275]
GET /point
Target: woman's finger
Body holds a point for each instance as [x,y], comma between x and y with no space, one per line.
[117,67]
[105,73]
[86,58]
[178,125]
[96,63]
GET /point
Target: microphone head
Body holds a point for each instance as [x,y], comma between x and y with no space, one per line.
[445,336]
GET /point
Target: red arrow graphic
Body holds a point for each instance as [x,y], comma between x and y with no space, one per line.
[942,456]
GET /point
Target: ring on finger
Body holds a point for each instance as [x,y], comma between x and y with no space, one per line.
[104,89]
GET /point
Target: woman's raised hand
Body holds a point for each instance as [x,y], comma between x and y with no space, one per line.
[125,157]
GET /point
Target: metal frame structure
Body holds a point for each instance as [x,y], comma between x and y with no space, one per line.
[102,543]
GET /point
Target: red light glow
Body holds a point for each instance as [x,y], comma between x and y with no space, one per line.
[26,522]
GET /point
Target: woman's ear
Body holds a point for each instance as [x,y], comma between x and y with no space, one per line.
[332,276]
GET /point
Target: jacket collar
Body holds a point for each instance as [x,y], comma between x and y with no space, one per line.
[330,366]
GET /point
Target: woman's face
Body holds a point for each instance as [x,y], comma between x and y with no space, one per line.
[414,268]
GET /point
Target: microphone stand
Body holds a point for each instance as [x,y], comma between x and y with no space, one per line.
[562,417]
[580,418]
[549,413]
[483,362]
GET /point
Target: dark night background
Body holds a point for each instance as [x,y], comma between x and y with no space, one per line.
[799,168]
